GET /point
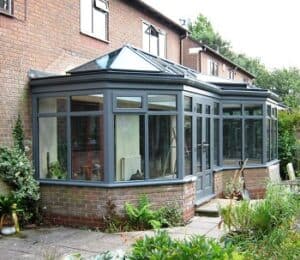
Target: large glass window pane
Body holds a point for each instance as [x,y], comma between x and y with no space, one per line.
[87,103]
[232,109]
[162,146]
[52,105]
[253,140]
[53,147]
[253,110]
[129,147]
[162,102]
[232,141]
[216,141]
[129,102]
[188,144]
[87,148]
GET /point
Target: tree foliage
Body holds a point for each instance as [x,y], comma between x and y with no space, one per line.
[285,81]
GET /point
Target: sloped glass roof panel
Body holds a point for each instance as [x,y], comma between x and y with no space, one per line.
[129,60]
[122,59]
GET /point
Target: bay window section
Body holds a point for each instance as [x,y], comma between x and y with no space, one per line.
[53,148]
[129,147]
[232,141]
[253,140]
[87,148]
[162,141]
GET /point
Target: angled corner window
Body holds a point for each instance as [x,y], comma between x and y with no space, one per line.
[154,40]
[94,18]
[6,6]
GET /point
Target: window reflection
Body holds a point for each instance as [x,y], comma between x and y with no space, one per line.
[87,103]
[52,105]
[253,110]
[232,141]
[129,147]
[253,140]
[232,109]
[162,146]
[162,102]
[87,148]
[53,147]
[129,102]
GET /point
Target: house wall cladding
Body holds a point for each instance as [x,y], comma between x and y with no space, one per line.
[256,180]
[75,206]
[45,35]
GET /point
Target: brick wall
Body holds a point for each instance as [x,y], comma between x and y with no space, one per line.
[45,35]
[85,206]
[255,180]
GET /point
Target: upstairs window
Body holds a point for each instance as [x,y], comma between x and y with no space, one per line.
[213,67]
[94,18]
[6,6]
[154,40]
[231,74]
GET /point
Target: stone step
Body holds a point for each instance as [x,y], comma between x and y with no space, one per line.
[211,208]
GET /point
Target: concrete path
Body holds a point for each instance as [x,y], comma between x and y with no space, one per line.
[53,243]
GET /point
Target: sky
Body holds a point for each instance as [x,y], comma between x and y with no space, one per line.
[264,29]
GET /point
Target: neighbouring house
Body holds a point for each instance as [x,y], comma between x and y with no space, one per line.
[113,114]
[207,61]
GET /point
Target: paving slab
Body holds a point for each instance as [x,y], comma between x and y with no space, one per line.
[53,243]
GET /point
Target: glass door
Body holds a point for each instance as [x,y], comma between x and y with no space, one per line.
[202,144]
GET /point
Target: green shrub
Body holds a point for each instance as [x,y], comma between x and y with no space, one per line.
[18,135]
[17,171]
[161,247]
[278,207]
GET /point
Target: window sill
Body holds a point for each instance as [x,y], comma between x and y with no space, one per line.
[118,184]
[6,14]
[94,37]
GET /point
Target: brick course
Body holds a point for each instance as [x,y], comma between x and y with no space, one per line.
[76,206]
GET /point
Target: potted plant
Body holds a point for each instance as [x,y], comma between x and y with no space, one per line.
[9,223]
[56,171]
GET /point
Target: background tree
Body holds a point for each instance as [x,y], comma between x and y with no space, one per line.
[285,81]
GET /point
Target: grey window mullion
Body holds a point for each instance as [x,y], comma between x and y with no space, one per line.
[86,113]
[264,143]
[69,141]
[221,142]
[58,114]
[180,139]
[109,140]
[146,148]
[35,137]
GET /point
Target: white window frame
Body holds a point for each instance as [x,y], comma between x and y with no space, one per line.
[88,9]
[213,67]
[231,74]
[161,48]
[9,7]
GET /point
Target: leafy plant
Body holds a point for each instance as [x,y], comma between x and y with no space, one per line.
[8,206]
[18,134]
[142,216]
[17,171]
[161,247]
[56,171]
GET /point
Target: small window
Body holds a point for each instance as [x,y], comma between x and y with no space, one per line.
[232,109]
[87,103]
[231,74]
[162,102]
[216,108]
[269,110]
[213,68]
[52,104]
[199,108]
[188,104]
[207,109]
[253,110]
[129,102]
[6,6]
[154,40]
[94,18]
